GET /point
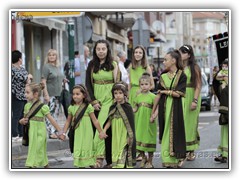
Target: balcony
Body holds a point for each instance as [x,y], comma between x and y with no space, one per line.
[123,20]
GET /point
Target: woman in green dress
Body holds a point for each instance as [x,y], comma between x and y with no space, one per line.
[136,69]
[192,100]
[81,116]
[146,128]
[37,149]
[172,87]
[120,129]
[102,73]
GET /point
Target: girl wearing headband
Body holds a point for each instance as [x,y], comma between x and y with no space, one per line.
[83,152]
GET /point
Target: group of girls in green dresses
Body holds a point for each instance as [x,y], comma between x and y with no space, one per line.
[124,128]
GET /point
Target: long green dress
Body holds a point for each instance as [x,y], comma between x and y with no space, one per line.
[146,132]
[135,75]
[119,141]
[223,147]
[83,153]
[37,149]
[102,83]
[191,117]
[167,142]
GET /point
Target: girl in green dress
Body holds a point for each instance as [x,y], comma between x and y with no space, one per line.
[102,73]
[37,149]
[192,100]
[83,152]
[146,130]
[120,129]
[172,87]
[136,69]
[138,66]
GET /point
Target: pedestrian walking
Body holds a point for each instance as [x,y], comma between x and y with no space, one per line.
[52,78]
[20,77]
[146,128]
[170,98]
[102,73]
[37,149]
[192,100]
[80,118]
[120,129]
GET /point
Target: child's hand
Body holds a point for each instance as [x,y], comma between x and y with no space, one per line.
[23,121]
[62,137]
[102,135]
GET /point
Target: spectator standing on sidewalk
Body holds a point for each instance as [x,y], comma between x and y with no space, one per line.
[122,60]
[77,69]
[52,78]
[192,100]
[20,78]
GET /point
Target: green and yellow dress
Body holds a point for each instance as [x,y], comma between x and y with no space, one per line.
[171,123]
[146,132]
[37,149]
[83,153]
[102,84]
[135,75]
[121,134]
[191,117]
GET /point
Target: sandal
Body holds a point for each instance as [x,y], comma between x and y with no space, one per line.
[139,158]
[149,165]
[220,159]
[99,163]
[53,136]
[143,162]
[191,156]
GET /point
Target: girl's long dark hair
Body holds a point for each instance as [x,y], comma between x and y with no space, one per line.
[191,63]
[107,65]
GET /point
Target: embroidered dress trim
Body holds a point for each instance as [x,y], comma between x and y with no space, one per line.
[102,82]
[145,105]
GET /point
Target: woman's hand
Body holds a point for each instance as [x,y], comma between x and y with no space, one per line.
[23,121]
[97,107]
[193,106]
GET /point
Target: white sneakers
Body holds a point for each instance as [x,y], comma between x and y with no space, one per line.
[17,139]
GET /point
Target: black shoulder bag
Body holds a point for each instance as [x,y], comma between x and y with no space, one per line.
[71,132]
[33,110]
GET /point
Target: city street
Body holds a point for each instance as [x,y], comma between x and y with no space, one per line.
[209,140]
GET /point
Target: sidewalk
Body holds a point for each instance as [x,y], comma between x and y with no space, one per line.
[52,144]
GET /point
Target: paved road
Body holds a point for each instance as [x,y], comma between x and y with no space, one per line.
[209,133]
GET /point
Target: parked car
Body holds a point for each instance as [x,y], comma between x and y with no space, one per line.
[205,93]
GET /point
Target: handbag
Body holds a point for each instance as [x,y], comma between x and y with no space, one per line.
[33,110]
[223,119]
[80,112]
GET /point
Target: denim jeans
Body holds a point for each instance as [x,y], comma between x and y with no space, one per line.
[17,114]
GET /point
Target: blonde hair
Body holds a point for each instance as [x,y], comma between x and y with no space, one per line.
[54,51]
[36,88]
